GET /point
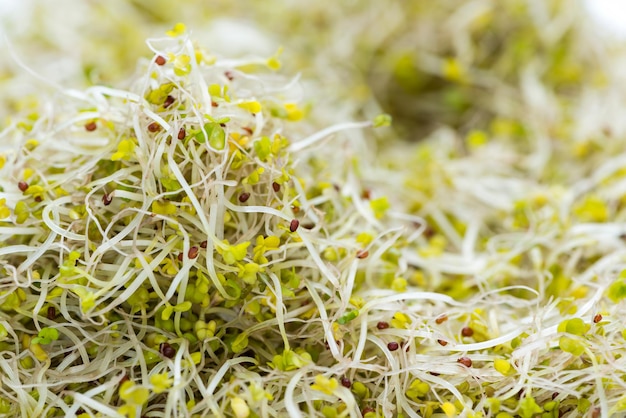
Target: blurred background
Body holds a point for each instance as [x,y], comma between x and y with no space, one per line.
[428,64]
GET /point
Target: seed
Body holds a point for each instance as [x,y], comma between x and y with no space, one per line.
[467,332]
[597,318]
[153,127]
[180,256]
[193,252]
[182,133]
[38,199]
[441,319]
[596,413]
[382,325]
[442,342]
[229,75]
[466,361]
[294,225]
[367,194]
[295,209]
[244,197]
[345,382]
[167,350]
[52,313]
[91,126]
[203,244]
[367,410]
[248,130]
[22,185]
[554,395]
[362,254]
[276,187]
[160,60]
[393,346]
[107,199]
[168,101]
[214,104]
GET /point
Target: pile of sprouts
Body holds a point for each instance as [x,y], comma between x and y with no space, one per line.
[195,244]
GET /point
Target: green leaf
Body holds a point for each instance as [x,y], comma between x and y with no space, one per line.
[240,343]
[571,345]
[528,407]
[214,134]
[46,336]
[617,291]
[348,317]
[382,120]
[263,148]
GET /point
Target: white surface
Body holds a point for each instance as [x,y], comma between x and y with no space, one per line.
[611,14]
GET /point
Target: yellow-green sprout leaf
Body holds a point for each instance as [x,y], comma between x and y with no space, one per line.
[240,407]
[125,150]
[182,64]
[592,209]
[46,336]
[453,70]
[233,253]
[39,353]
[87,298]
[167,312]
[240,343]
[133,394]
[417,389]
[617,290]
[325,385]
[399,284]
[379,206]
[291,360]
[570,345]
[528,407]
[273,62]
[35,191]
[262,147]
[254,177]
[253,106]
[177,30]
[502,366]
[400,320]
[476,139]
[3,160]
[21,212]
[360,390]
[215,135]
[160,382]
[364,238]
[164,207]
[347,317]
[575,326]
[5,212]
[294,113]
[31,144]
[248,272]
[382,120]
[449,409]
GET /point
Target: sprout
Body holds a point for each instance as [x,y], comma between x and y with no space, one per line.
[150,232]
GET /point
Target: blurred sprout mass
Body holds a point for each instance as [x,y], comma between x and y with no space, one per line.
[287,208]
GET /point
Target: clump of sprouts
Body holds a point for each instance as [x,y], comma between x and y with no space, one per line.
[193,246]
